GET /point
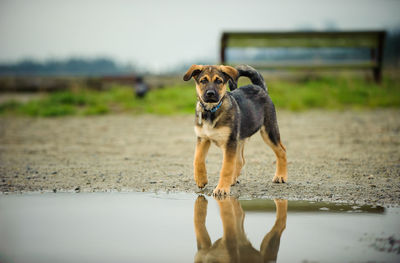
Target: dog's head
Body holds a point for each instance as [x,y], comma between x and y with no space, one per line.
[211,81]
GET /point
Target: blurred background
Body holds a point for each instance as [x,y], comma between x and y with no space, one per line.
[96,57]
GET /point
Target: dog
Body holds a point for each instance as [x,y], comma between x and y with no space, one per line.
[234,245]
[229,118]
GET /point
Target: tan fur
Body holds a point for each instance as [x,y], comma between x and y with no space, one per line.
[215,78]
[239,161]
[234,245]
[281,163]
[227,174]
[218,135]
[190,71]
[221,91]
[200,170]
[231,71]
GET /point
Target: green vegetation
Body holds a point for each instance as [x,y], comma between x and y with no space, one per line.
[176,99]
[324,92]
[335,93]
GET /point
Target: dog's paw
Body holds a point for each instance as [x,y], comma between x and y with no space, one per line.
[279,179]
[221,191]
[201,183]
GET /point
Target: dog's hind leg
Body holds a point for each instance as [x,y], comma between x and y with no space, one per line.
[239,161]
[270,244]
[200,171]
[271,137]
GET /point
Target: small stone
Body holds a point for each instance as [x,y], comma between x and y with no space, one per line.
[370,177]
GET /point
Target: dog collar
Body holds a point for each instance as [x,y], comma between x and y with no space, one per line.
[213,109]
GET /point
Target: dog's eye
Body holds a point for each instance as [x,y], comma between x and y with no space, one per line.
[218,81]
[203,81]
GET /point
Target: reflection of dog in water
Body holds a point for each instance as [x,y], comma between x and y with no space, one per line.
[234,245]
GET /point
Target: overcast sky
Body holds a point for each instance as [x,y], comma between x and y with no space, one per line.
[162,34]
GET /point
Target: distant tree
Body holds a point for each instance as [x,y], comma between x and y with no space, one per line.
[72,66]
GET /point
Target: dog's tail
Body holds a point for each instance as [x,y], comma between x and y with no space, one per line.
[247,71]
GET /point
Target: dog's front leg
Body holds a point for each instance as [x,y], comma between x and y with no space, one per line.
[227,172]
[200,171]
[229,223]
[200,213]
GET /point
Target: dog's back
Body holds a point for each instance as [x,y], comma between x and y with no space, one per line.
[253,101]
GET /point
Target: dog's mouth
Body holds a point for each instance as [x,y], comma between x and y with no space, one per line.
[210,100]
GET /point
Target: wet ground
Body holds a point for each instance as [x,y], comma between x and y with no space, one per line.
[347,156]
[148,227]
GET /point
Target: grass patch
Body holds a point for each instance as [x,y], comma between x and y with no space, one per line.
[322,93]
[9,106]
[335,93]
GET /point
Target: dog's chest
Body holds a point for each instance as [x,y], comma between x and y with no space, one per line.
[208,131]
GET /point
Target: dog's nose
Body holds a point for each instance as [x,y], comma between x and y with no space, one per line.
[210,93]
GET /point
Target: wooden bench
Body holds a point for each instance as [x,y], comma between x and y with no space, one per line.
[372,40]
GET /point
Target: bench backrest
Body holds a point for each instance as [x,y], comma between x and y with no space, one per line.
[373,40]
[361,39]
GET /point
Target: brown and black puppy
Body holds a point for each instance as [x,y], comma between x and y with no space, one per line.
[228,118]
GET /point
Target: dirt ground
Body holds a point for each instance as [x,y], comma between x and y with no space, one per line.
[351,156]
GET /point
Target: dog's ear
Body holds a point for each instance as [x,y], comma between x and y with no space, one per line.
[230,72]
[193,71]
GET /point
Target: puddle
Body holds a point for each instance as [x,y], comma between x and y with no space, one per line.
[140,227]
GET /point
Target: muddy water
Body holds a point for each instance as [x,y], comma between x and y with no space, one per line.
[138,227]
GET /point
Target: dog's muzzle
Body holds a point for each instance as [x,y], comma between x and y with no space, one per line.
[210,96]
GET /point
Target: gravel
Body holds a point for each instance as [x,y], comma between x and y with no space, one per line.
[348,157]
